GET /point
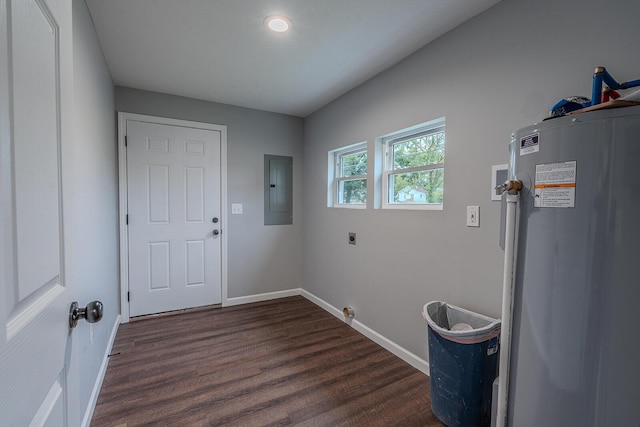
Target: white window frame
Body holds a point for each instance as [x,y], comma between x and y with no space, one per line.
[335,175]
[388,171]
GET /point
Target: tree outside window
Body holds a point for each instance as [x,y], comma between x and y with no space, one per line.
[414,167]
[350,180]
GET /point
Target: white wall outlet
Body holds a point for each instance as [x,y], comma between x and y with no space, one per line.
[473,216]
[236,208]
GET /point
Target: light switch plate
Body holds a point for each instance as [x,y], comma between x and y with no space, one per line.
[236,208]
[473,216]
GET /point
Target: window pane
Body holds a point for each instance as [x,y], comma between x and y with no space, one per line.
[416,188]
[354,164]
[420,151]
[353,191]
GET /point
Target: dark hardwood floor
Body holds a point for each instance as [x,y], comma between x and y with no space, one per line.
[275,363]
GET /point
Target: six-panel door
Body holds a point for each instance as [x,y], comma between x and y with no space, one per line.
[173,176]
[36,186]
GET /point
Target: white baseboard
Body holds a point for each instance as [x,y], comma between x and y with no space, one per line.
[260,297]
[415,361]
[101,373]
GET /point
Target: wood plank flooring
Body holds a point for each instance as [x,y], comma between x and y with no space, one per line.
[275,363]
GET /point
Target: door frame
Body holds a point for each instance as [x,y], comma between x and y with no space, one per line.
[122,202]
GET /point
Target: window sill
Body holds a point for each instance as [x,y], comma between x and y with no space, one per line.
[349,206]
[430,207]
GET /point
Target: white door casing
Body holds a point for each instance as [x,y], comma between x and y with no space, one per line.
[174,189]
[35,190]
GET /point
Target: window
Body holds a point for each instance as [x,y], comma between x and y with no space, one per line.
[413,174]
[349,181]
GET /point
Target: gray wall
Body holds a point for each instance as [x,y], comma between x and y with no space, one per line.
[96,196]
[494,74]
[260,258]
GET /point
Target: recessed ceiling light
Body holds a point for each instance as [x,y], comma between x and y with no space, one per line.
[279,24]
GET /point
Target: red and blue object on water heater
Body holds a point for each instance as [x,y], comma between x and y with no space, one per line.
[603,88]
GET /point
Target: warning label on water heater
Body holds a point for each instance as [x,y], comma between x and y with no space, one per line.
[555,185]
[530,144]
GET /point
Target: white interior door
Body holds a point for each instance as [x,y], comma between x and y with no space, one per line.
[35,96]
[174,220]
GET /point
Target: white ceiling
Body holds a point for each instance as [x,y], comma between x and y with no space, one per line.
[220,50]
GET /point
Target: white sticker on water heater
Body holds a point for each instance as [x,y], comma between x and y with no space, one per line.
[530,144]
[555,185]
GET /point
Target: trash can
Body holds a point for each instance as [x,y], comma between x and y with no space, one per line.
[463,362]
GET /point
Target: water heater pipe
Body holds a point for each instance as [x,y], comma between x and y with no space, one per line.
[510,249]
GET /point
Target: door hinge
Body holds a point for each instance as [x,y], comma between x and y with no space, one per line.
[127,220]
[128,296]
[125,141]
